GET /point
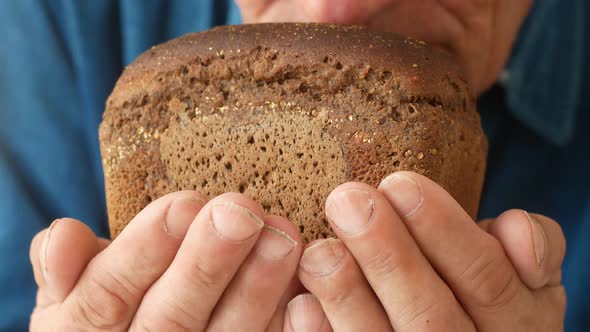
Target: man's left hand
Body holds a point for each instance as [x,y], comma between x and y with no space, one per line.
[409,258]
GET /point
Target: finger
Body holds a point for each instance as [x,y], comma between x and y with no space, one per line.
[253,295]
[471,261]
[329,271]
[215,246]
[305,313]
[59,254]
[529,278]
[534,244]
[411,292]
[277,321]
[115,281]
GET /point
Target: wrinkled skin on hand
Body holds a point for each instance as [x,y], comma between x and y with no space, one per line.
[182,264]
[407,258]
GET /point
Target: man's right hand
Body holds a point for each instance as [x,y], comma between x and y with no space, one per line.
[181,264]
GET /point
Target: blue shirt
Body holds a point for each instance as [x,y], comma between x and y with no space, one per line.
[60,59]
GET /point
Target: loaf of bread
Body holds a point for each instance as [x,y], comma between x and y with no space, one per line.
[284,113]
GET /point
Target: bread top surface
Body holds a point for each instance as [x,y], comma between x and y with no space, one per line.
[422,70]
[271,109]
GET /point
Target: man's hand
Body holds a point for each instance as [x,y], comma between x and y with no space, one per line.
[480,33]
[410,259]
[181,264]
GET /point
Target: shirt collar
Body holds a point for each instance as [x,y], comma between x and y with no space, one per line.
[543,77]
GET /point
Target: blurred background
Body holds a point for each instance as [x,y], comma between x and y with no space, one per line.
[59,61]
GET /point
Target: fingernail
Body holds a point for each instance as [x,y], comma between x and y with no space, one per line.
[350,210]
[539,238]
[44,249]
[323,257]
[403,193]
[233,222]
[180,215]
[306,314]
[274,244]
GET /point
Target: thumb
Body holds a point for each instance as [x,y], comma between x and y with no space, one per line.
[535,245]
[59,254]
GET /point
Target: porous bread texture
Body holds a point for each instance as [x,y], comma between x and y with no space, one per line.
[284,113]
[272,157]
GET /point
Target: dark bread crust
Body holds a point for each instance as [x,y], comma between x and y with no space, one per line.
[424,71]
[284,113]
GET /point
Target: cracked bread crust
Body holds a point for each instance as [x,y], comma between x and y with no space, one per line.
[284,113]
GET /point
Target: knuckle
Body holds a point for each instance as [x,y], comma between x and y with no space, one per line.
[336,296]
[161,322]
[169,311]
[203,277]
[496,292]
[490,280]
[123,285]
[105,303]
[175,317]
[417,311]
[384,263]
[340,288]
[172,312]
